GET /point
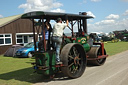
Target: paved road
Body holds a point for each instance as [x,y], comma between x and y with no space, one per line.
[113,72]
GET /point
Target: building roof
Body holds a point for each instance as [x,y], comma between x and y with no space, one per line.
[7,20]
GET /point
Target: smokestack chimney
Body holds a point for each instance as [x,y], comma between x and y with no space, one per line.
[82,13]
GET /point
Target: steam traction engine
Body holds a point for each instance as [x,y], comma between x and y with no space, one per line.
[76,51]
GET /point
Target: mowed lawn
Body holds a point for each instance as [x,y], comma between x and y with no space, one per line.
[114,48]
[19,71]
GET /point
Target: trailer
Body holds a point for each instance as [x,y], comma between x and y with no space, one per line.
[76,50]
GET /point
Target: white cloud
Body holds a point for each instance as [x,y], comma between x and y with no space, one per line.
[126,13]
[113,16]
[84,1]
[95,0]
[58,10]
[1,16]
[105,22]
[108,25]
[90,14]
[42,5]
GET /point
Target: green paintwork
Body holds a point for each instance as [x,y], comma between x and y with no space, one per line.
[45,62]
[81,40]
[86,47]
[68,40]
[125,34]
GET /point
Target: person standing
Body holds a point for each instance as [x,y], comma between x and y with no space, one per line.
[47,30]
[58,30]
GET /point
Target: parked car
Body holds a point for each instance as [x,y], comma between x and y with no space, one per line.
[27,50]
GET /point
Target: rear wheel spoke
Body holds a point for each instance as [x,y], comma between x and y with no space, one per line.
[71,64]
[74,66]
[71,57]
[75,69]
[75,52]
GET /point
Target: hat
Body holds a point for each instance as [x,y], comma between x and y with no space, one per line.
[59,19]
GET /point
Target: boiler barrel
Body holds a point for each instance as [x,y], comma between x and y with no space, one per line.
[86,47]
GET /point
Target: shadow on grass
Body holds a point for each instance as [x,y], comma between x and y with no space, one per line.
[27,75]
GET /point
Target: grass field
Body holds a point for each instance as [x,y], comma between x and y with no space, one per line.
[114,48]
[19,71]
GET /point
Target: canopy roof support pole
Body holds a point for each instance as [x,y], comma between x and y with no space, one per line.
[34,35]
[43,29]
[85,25]
[78,25]
[80,30]
[72,28]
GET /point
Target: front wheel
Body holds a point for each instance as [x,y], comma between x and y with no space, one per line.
[94,53]
[100,62]
[74,59]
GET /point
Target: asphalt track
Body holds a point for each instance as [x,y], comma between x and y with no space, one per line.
[113,72]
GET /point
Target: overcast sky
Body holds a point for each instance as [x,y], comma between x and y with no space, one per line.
[109,15]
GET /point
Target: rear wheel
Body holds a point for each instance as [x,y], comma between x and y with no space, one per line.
[74,60]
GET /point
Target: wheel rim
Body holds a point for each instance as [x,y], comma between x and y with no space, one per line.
[74,60]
